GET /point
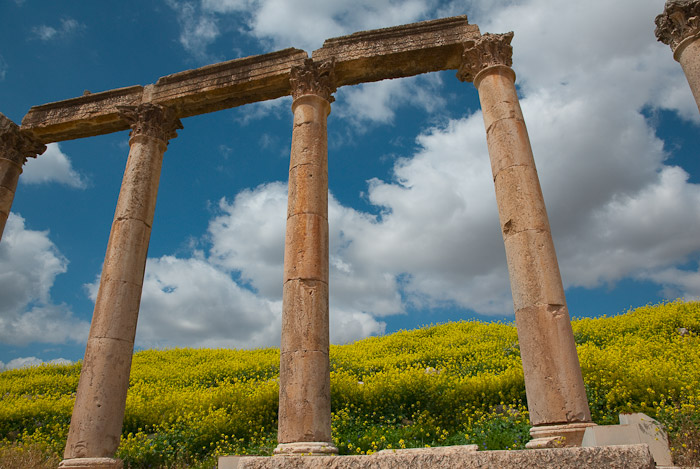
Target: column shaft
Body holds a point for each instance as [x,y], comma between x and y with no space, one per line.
[305,397]
[688,54]
[556,395]
[98,413]
[553,380]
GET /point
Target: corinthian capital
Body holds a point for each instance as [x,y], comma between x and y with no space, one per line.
[680,20]
[487,51]
[17,145]
[152,120]
[314,78]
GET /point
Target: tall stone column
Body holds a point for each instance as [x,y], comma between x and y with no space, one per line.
[98,413]
[305,388]
[15,147]
[679,27]
[553,381]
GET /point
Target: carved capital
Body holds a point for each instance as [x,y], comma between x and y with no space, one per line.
[152,120]
[314,78]
[487,51]
[679,21]
[17,145]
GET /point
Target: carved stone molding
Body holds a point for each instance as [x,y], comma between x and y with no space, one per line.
[17,145]
[487,51]
[314,78]
[680,20]
[151,120]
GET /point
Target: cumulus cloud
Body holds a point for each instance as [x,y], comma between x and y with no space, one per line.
[29,264]
[67,27]
[198,29]
[52,166]
[617,209]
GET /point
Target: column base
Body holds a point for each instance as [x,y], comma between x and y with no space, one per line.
[91,463]
[558,436]
[310,448]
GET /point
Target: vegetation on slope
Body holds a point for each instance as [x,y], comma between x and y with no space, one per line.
[456,383]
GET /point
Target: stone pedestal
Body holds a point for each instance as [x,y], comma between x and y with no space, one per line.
[15,147]
[679,27]
[553,381]
[305,393]
[98,412]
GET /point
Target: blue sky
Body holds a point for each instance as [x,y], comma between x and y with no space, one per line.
[413,222]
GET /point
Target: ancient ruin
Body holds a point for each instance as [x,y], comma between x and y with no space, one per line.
[555,390]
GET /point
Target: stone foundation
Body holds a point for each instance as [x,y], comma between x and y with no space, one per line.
[463,457]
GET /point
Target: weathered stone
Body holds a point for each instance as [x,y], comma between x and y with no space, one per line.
[633,429]
[304,316]
[15,147]
[96,422]
[611,457]
[401,51]
[553,382]
[679,27]
[91,463]
[305,397]
[98,412]
[305,394]
[84,116]
[306,248]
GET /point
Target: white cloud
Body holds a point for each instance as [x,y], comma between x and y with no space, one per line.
[52,166]
[67,27]
[29,264]
[198,29]
[26,362]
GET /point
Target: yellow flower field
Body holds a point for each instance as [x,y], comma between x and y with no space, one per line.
[455,383]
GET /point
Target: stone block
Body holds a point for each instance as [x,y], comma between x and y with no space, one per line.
[509,145]
[116,310]
[305,316]
[533,269]
[127,250]
[520,202]
[610,457]
[9,173]
[400,51]
[84,116]
[498,96]
[98,413]
[305,406]
[633,429]
[91,463]
[308,190]
[139,189]
[306,248]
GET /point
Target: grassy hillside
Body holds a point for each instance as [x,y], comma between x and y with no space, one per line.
[450,384]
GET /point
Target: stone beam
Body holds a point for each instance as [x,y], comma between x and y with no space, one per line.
[85,116]
[366,56]
[401,51]
[206,89]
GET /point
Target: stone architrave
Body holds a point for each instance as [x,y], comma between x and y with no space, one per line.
[553,381]
[98,413]
[305,392]
[679,27]
[15,147]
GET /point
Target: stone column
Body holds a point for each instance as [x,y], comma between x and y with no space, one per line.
[305,392]
[98,413]
[553,382]
[15,147]
[679,27]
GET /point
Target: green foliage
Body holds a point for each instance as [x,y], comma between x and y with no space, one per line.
[457,383]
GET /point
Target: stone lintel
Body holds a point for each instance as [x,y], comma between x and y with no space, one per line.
[228,84]
[365,56]
[400,51]
[464,457]
[84,116]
